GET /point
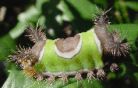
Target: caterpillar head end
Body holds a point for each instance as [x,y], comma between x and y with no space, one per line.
[23,58]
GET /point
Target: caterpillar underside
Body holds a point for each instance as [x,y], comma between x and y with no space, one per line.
[79,56]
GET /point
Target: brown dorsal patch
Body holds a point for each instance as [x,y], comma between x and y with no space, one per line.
[67,44]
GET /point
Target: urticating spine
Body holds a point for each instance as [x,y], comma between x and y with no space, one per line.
[111,42]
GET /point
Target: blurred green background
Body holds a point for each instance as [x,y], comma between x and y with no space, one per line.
[64,18]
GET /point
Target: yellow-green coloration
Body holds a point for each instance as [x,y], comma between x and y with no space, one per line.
[88,57]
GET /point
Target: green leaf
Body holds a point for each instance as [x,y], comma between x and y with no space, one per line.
[67,15]
[30,16]
[17,79]
[85,8]
[133,5]
[136,75]
[6,45]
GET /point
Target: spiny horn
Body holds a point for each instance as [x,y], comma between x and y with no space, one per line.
[64,78]
[90,75]
[51,79]
[36,34]
[102,19]
[78,76]
[119,48]
[100,73]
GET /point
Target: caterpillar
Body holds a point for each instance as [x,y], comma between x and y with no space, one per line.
[80,56]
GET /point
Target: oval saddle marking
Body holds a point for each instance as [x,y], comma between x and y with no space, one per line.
[69,47]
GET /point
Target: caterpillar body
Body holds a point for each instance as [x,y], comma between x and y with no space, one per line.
[70,57]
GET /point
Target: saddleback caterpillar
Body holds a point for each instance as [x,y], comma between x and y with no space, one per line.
[72,56]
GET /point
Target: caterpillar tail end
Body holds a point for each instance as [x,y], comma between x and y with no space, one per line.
[120,48]
[102,19]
